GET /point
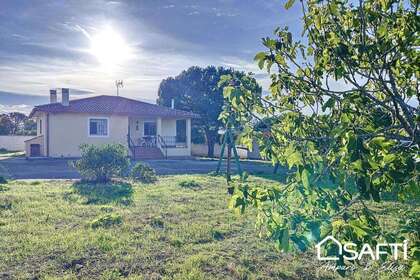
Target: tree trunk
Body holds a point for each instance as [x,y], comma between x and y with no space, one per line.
[229,156]
[210,143]
[210,149]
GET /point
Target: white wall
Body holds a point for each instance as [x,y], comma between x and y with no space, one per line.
[14,142]
[68,131]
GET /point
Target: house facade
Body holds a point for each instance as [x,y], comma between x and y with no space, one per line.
[148,131]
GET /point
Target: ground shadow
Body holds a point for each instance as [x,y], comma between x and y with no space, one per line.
[103,193]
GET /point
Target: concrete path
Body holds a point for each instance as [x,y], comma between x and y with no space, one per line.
[21,168]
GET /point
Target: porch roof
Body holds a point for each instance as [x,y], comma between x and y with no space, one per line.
[106,104]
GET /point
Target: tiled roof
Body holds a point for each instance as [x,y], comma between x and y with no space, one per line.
[106,104]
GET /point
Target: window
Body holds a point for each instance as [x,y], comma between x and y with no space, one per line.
[149,128]
[98,127]
[40,126]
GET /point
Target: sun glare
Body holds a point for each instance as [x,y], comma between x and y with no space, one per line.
[109,48]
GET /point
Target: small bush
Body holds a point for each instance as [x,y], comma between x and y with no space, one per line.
[106,221]
[143,173]
[3,180]
[116,192]
[4,188]
[190,184]
[101,163]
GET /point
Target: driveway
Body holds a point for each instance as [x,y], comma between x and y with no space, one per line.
[20,168]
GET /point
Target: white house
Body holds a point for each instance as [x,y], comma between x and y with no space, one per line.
[147,130]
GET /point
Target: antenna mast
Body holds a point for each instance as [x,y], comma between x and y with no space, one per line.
[119,84]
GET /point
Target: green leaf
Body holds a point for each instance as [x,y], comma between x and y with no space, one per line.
[329,104]
[259,56]
[261,64]
[305,178]
[382,30]
[285,240]
[415,269]
[294,159]
[289,4]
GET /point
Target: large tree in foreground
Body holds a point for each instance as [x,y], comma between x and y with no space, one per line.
[349,129]
[197,90]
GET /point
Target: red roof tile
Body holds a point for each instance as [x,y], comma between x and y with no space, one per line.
[106,104]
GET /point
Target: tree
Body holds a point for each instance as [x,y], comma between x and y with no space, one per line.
[17,120]
[16,123]
[5,124]
[29,127]
[197,90]
[349,129]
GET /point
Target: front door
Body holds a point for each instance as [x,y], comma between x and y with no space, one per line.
[35,150]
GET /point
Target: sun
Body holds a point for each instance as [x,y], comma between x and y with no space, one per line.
[109,47]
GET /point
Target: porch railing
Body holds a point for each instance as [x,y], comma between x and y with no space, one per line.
[162,144]
[174,141]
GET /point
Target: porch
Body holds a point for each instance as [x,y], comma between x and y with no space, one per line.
[157,138]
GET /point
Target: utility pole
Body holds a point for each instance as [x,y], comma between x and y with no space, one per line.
[119,84]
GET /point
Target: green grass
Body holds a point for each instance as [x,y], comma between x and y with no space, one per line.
[60,230]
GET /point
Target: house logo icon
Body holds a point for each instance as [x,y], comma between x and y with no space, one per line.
[325,240]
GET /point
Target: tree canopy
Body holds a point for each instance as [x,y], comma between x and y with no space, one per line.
[196,89]
[348,94]
[16,123]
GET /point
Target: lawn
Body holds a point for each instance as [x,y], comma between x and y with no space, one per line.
[178,228]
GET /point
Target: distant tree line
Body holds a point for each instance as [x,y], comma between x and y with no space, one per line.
[16,123]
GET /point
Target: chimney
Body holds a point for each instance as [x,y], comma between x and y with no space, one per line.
[53,96]
[173,103]
[65,96]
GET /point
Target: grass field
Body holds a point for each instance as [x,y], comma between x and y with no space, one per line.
[51,230]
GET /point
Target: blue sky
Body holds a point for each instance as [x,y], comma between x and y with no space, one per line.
[50,44]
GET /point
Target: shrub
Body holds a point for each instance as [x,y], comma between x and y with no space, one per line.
[101,163]
[3,180]
[143,173]
[190,184]
[115,192]
[106,221]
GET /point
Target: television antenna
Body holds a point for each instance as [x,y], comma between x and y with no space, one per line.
[119,84]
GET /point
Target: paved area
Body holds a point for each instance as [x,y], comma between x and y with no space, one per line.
[21,168]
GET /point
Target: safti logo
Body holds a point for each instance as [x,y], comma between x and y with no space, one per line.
[350,249]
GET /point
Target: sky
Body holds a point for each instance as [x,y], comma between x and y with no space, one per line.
[87,45]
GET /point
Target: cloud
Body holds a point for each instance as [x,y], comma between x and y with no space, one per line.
[21,108]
